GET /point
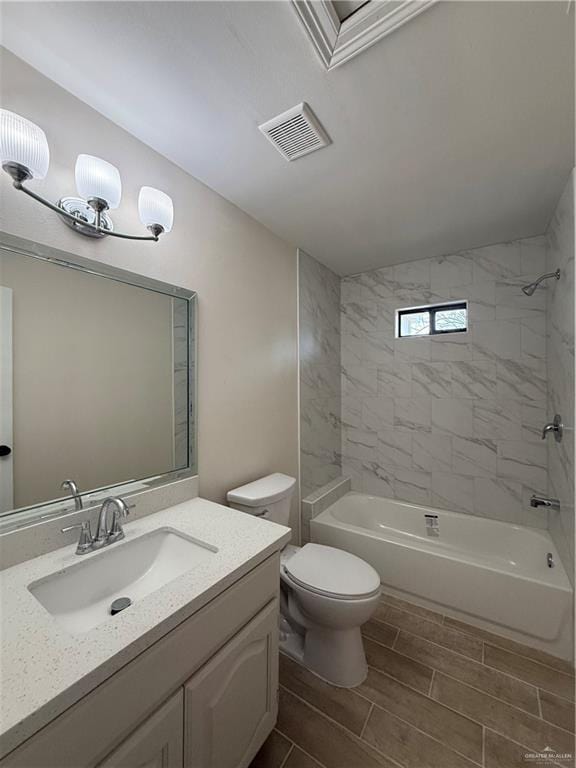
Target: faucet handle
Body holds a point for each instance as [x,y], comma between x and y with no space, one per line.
[86,540]
[126,509]
[556,427]
[122,511]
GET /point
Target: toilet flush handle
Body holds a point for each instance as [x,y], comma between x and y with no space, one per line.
[261,514]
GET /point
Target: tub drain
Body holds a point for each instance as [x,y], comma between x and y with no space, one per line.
[119,604]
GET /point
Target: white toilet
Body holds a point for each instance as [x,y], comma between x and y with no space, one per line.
[326,593]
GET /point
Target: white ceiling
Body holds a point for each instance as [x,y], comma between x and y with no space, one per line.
[453,132]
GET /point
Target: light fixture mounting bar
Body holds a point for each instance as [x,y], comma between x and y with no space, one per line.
[97,231]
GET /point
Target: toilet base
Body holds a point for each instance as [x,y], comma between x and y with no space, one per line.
[335,656]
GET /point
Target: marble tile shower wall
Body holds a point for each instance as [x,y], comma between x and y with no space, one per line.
[320,403]
[560,361]
[454,420]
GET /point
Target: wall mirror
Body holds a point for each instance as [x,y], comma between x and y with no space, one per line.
[97,381]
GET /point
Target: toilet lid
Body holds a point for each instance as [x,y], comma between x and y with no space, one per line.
[332,571]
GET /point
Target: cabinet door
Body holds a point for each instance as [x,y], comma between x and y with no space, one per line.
[157,743]
[231,704]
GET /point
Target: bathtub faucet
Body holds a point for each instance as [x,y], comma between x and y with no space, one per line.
[544,501]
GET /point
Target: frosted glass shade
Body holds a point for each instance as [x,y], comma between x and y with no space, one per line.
[24,143]
[155,207]
[97,178]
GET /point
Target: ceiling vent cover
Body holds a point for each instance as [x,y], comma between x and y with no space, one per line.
[295,132]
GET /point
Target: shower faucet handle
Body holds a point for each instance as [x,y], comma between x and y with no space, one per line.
[556,427]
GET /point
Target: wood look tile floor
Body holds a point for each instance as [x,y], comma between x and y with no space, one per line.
[439,694]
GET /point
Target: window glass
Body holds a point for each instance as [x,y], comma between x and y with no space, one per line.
[415,324]
[433,320]
[450,319]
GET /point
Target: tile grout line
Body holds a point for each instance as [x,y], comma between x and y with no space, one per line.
[413,613]
[448,706]
[539,703]
[504,735]
[469,659]
[420,693]
[466,716]
[448,629]
[366,721]
[407,722]
[494,642]
[338,725]
[431,683]
[534,685]
[522,711]
[518,744]
[309,755]
[424,733]
[283,763]
[532,661]
[423,637]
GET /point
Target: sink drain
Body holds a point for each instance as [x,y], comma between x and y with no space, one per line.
[119,604]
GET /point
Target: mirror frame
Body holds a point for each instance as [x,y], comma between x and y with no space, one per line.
[24,516]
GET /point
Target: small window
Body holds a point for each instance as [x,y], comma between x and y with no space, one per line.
[432,320]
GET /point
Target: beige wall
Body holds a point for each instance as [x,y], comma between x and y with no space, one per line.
[244,275]
[90,402]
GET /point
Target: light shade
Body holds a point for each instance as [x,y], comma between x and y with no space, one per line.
[97,178]
[24,143]
[155,208]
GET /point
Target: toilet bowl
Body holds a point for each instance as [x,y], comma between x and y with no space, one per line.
[326,593]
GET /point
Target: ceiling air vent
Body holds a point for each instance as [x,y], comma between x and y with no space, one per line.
[295,132]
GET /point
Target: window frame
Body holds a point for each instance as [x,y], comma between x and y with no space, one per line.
[432,310]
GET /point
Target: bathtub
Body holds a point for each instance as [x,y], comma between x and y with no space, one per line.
[491,574]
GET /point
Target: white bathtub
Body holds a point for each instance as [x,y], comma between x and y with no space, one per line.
[492,574]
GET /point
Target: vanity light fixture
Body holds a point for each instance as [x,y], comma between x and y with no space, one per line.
[25,155]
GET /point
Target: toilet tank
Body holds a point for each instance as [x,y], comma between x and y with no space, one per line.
[268,497]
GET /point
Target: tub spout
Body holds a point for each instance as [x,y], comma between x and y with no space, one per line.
[544,501]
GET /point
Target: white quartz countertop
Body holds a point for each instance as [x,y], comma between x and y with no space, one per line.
[44,670]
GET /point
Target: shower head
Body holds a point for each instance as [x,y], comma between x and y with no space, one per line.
[531,287]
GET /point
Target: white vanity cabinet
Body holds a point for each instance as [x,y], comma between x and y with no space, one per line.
[203,696]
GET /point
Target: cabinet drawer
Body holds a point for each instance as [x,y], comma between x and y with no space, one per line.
[157,743]
[88,731]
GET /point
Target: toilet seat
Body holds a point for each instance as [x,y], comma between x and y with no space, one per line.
[331,572]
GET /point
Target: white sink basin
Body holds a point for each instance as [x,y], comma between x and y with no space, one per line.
[79,597]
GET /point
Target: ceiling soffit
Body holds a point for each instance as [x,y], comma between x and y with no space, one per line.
[336,42]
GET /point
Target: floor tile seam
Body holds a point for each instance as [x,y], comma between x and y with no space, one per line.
[341,727]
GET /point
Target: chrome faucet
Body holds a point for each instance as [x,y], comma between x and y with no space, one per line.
[556,427]
[105,535]
[70,485]
[544,501]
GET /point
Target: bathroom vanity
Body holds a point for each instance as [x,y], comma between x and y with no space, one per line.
[186,676]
